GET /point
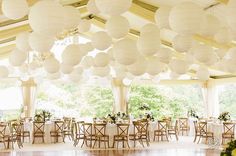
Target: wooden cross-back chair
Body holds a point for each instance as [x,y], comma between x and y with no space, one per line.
[144,131]
[136,136]
[100,135]
[161,131]
[79,132]
[58,131]
[196,130]
[67,130]
[38,130]
[3,127]
[173,130]
[228,133]
[25,133]
[88,135]
[204,133]
[16,134]
[122,135]
[183,125]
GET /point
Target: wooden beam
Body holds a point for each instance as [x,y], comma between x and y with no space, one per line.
[223,1]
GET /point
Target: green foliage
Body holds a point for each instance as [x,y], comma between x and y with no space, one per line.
[231,147]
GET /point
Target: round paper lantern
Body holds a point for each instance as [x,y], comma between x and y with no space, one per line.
[50,20]
[210,25]
[127,81]
[203,53]
[164,54]
[72,55]
[92,8]
[178,66]
[17,57]
[78,70]
[230,65]
[117,26]
[224,35]
[74,77]
[138,68]
[150,29]
[24,68]
[34,65]
[182,43]
[101,71]
[125,51]
[203,74]
[189,58]
[174,75]
[87,62]
[15,9]
[71,17]
[84,26]
[221,53]
[231,14]
[101,60]
[120,72]
[51,65]
[231,53]
[53,76]
[186,18]
[154,66]
[114,7]
[110,53]
[3,72]
[22,41]
[66,69]
[101,40]
[162,17]
[40,42]
[85,48]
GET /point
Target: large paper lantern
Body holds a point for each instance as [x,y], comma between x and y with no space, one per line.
[125,51]
[66,69]
[210,25]
[17,57]
[101,71]
[15,9]
[40,42]
[178,66]
[3,72]
[162,17]
[101,60]
[87,62]
[101,40]
[114,7]
[85,48]
[150,29]
[92,8]
[203,74]
[221,53]
[139,67]
[22,41]
[117,26]
[223,35]
[120,72]
[182,43]
[154,66]
[71,17]
[84,26]
[72,55]
[164,54]
[54,76]
[110,53]
[186,18]
[47,17]
[51,65]
[231,14]
[203,53]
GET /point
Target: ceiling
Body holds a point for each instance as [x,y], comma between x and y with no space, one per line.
[140,13]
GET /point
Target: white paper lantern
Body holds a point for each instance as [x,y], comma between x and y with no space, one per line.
[164,55]
[127,81]
[150,29]
[178,66]
[92,8]
[101,71]
[182,43]
[51,65]
[231,14]
[74,77]
[114,7]
[46,17]
[223,35]
[186,18]
[162,17]
[72,55]
[17,57]
[154,66]
[221,53]
[203,53]
[84,26]
[24,68]
[139,67]
[210,25]
[101,40]
[110,53]
[22,41]
[87,62]
[15,9]
[34,65]
[3,72]
[54,76]
[66,69]
[203,74]
[231,53]
[120,72]
[117,26]
[230,65]
[78,70]
[40,42]
[71,17]
[125,51]
[101,59]
[85,48]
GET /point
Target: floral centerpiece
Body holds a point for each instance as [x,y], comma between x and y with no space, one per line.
[144,107]
[149,116]
[192,113]
[230,150]
[113,118]
[224,116]
[42,115]
[145,112]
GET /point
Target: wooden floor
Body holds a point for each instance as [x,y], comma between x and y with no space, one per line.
[150,152]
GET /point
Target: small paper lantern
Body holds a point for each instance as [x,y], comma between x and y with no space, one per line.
[71,17]
[101,71]
[186,18]
[84,26]
[164,55]
[72,55]
[150,29]
[162,17]
[182,43]
[221,53]
[178,66]
[22,41]
[203,74]
[224,35]
[154,66]
[87,62]
[49,21]
[117,26]
[125,51]
[3,72]
[51,65]
[66,69]
[203,53]
[114,7]
[17,57]
[40,42]
[210,25]
[15,9]
[92,8]
[101,40]
[138,68]
[231,14]
[101,60]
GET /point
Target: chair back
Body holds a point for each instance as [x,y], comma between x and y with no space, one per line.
[79,127]
[67,123]
[122,129]
[202,125]
[162,126]
[229,127]
[38,127]
[100,129]
[144,127]
[183,123]
[3,127]
[59,125]
[87,129]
